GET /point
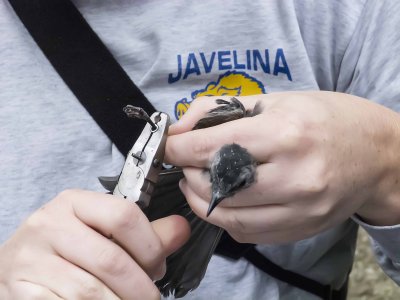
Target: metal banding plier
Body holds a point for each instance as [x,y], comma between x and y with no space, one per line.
[144,161]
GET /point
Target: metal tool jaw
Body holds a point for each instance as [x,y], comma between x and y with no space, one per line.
[143,163]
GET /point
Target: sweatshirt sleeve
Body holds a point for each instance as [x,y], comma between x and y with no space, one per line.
[370,67]
[385,242]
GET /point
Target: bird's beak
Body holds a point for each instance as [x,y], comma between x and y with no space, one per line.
[215,200]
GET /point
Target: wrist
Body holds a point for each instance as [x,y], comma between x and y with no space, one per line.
[380,212]
[383,206]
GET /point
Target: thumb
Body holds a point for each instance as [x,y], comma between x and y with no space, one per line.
[184,124]
[197,110]
[173,231]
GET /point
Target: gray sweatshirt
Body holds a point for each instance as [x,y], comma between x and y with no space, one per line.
[176,51]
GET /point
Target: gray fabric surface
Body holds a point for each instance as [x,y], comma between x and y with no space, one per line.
[49,143]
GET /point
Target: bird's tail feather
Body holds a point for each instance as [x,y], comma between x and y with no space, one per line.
[187,266]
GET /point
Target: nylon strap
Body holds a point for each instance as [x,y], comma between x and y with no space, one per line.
[86,66]
[228,247]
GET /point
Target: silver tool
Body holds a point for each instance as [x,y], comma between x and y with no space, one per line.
[144,161]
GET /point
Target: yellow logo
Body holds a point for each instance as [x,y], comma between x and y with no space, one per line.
[232,83]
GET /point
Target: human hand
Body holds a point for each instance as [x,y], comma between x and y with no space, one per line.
[87,245]
[323,157]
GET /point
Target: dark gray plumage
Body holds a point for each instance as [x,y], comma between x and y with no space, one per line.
[225,112]
[232,168]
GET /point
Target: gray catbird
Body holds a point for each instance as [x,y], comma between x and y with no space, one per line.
[232,169]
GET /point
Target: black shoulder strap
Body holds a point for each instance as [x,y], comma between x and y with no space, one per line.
[103,88]
[234,250]
[85,65]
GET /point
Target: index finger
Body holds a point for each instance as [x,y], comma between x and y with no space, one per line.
[197,148]
[124,222]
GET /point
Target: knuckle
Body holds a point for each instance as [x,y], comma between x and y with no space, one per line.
[315,184]
[292,135]
[23,258]
[112,260]
[155,264]
[237,137]
[38,293]
[172,149]
[197,102]
[146,289]
[197,106]
[36,222]
[48,217]
[90,289]
[154,294]
[127,216]
[42,222]
[234,224]
[67,195]
[160,271]
[205,190]
[311,188]
[321,210]
[158,251]
[201,148]
[239,237]
[65,198]
[202,101]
